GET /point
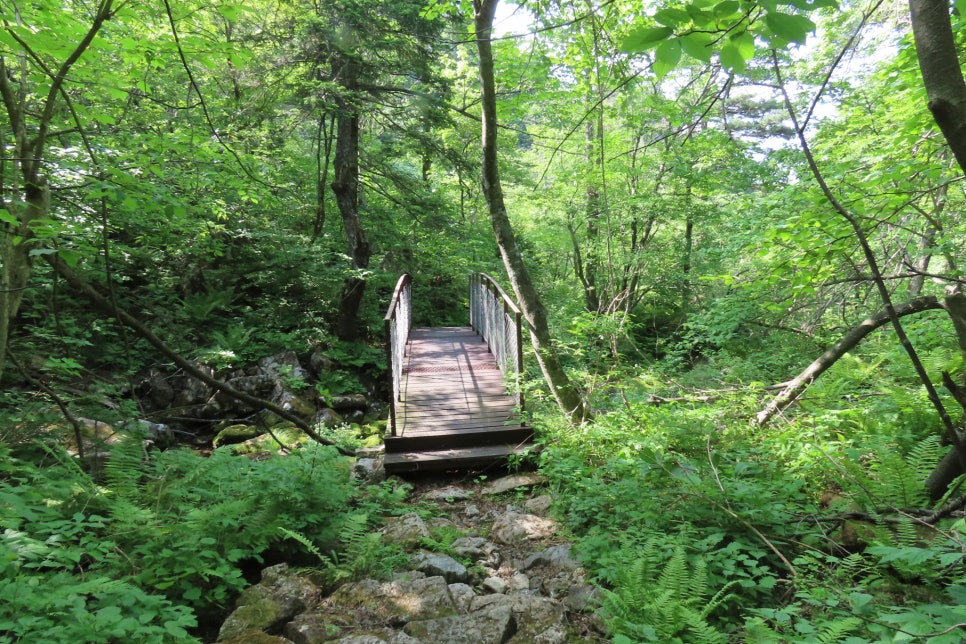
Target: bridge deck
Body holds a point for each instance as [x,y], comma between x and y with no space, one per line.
[454,409]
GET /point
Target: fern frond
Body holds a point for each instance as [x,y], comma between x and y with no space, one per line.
[836,630]
[125,467]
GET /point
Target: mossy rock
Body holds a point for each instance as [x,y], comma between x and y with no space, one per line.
[289,435]
[237,433]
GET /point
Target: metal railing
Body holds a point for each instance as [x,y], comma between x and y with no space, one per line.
[497,319]
[398,322]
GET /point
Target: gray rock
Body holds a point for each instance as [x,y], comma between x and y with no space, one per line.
[384,636]
[534,615]
[436,564]
[327,418]
[469,542]
[514,528]
[351,402]
[310,628]
[494,585]
[320,363]
[518,583]
[582,599]
[406,530]
[492,626]
[260,614]
[462,594]
[397,601]
[539,505]
[275,600]
[557,557]
[513,482]
[449,494]
[471,511]
[371,452]
[369,470]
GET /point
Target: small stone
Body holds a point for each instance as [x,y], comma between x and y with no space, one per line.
[513,482]
[471,511]
[517,583]
[371,452]
[494,585]
[449,494]
[539,505]
[436,564]
[369,470]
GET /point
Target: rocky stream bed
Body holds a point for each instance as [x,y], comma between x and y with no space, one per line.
[511,579]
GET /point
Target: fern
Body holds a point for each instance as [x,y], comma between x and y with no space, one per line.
[658,600]
[361,551]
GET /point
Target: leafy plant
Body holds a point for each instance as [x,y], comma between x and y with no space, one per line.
[662,597]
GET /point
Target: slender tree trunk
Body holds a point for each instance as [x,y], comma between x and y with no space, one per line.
[941,71]
[796,387]
[563,389]
[345,185]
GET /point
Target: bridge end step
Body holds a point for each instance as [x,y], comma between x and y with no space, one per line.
[479,436]
[450,459]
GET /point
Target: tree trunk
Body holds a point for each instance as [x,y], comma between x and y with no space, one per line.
[567,396]
[794,388]
[941,72]
[345,185]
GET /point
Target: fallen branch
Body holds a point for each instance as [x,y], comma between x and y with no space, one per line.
[794,389]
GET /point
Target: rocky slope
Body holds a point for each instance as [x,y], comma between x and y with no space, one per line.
[509,579]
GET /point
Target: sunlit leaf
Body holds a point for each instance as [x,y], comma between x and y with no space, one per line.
[731,58]
[697,45]
[788,27]
[645,38]
[672,17]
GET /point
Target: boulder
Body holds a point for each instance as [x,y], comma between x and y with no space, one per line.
[396,602]
[492,626]
[514,527]
[237,433]
[274,601]
[407,530]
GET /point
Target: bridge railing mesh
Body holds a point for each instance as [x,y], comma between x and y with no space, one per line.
[398,322]
[498,320]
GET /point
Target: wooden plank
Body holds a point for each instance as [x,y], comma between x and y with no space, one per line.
[448,458]
[454,409]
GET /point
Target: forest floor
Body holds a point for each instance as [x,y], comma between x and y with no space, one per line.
[488,565]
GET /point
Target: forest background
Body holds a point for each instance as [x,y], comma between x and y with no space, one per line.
[741,219]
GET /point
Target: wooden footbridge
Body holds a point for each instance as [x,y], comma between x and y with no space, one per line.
[450,407]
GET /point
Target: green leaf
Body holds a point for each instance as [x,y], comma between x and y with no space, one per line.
[731,58]
[726,8]
[672,17]
[788,27]
[745,43]
[669,53]
[7,218]
[697,45]
[645,38]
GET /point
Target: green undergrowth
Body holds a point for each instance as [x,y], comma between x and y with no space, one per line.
[701,527]
[156,547]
